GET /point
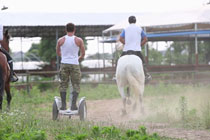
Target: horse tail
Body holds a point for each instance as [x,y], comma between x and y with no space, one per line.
[1,81]
[135,77]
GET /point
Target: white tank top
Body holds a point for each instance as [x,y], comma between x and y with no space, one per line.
[69,51]
[132,38]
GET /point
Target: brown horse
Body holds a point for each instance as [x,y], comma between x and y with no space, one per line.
[4,72]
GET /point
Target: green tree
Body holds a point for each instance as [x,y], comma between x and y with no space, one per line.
[183,52]
[33,53]
[204,51]
[47,50]
[178,53]
[155,57]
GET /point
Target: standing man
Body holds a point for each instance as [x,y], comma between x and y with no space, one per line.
[133,37]
[9,58]
[68,48]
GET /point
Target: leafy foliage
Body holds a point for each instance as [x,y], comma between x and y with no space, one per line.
[184,52]
[16,126]
[47,49]
[155,57]
[111,133]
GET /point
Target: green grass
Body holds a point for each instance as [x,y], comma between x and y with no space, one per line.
[30,115]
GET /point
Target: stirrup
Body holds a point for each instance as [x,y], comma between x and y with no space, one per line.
[13,78]
[148,77]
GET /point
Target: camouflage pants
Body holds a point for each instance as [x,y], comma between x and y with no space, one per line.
[70,72]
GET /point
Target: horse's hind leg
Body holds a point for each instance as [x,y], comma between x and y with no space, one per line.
[122,93]
[128,95]
[9,97]
[1,94]
[141,98]
[138,91]
[1,100]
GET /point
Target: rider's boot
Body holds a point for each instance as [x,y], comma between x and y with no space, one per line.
[63,100]
[12,73]
[74,100]
[148,77]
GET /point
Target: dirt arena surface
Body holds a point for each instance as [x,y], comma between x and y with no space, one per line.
[109,112]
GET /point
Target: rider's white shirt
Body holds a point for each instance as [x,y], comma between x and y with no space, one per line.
[132,38]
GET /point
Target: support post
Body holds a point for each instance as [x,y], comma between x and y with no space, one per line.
[98,57]
[146,50]
[21,45]
[28,81]
[196,46]
[103,55]
[104,59]
[57,57]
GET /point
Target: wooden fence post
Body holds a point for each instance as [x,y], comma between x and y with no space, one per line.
[28,81]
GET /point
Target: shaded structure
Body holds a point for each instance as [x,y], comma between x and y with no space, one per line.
[191,25]
[53,31]
[52,25]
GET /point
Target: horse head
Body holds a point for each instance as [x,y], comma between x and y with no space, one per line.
[7,36]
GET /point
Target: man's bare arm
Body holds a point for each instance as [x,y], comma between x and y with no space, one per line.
[81,45]
[58,46]
[144,40]
[122,40]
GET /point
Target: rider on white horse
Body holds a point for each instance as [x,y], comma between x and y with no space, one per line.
[133,37]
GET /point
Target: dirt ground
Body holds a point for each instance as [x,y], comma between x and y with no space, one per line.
[109,112]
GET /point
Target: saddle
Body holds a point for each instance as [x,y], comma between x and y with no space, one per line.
[131,52]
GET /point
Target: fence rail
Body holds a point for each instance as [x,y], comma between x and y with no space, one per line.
[173,77]
[151,68]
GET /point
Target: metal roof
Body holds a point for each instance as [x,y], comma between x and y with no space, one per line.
[53,31]
[48,24]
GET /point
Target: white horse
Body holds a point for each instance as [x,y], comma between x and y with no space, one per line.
[129,73]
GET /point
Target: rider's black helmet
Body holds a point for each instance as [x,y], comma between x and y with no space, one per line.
[132,19]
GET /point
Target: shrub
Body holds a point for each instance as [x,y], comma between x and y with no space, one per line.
[206,116]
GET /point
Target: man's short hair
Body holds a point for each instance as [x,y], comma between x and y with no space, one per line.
[132,19]
[70,27]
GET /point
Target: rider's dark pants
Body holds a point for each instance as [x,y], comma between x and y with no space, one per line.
[9,58]
[137,53]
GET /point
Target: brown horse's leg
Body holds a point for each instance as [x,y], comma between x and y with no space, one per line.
[1,100]
[9,97]
[1,87]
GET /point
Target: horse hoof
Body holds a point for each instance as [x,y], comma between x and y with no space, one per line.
[134,106]
[123,113]
[129,102]
[142,111]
